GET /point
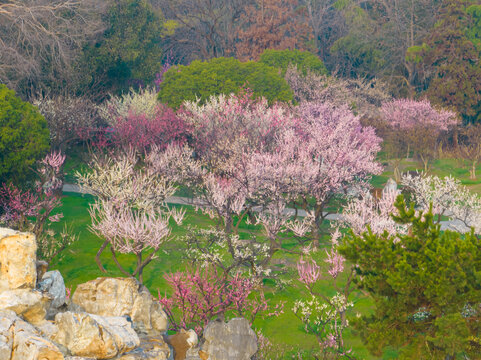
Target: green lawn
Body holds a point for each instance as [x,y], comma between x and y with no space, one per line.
[286,332]
[77,265]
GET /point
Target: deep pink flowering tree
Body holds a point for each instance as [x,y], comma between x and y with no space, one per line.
[32,209]
[418,124]
[142,131]
[202,295]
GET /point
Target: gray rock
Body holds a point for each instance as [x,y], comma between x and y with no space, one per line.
[53,284]
[391,185]
[234,340]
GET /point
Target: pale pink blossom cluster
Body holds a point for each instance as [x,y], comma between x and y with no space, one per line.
[375,213]
[308,270]
[407,114]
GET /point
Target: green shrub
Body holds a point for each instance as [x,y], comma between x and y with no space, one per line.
[425,286]
[222,76]
[24,136]
[304,60]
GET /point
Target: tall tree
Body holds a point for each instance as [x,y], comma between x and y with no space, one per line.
[40,40]
[203,28]
[129,50]
[272,24]
[450,60]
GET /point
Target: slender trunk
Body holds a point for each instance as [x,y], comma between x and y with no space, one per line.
[473,171]
[97,257]
[140,269]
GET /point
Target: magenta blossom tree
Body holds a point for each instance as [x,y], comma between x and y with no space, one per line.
[202,295]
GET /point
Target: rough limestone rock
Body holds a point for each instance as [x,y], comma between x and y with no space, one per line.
[151,348]
[182,342]
[95,336]
[21,341]
[52,283]
[234,340]
[120,297]
[17,260]
[391,185]
[30,304]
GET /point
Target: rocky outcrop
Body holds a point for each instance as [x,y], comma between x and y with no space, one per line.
[17,260]
[21,341]
[29,304]
[151,348]
[53,284]
[94,336]
[234,340]
[122,297]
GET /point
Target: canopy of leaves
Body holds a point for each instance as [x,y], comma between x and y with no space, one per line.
[200,80]
[425,285]
[304,60]
[451,60]
[130,48]
[24,136]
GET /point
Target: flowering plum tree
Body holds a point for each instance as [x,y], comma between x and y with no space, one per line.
[139,121]
[322,315]
[445,197]
[334,151]
[130,212]
[202,295]
[419,123]
[32,209]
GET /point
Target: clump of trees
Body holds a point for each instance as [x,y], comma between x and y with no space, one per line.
[24,137]
[202,79]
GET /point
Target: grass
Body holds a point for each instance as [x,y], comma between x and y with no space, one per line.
[286,331]
[457,168]
[77,265]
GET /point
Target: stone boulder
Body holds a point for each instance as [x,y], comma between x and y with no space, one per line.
[151,348]
[391,185]
[182,342]
[21,341]
[234,340]
[52,283]
[94,336]
[17,260]
[121,297]
[29,304]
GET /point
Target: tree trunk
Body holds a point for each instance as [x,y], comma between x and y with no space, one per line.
[473,171]
[97,257]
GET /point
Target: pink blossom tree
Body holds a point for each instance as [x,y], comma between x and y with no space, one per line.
[32,209]
[419,124]
[332,153]
[322,315]
[130,212]
[202,295]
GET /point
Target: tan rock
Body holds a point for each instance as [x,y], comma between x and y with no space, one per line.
[119,297]
[21,341]
[94,336]
[182,342]
[30,304]
[17,260]
[151,348]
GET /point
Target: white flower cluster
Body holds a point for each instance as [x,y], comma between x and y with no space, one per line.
[448,197]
